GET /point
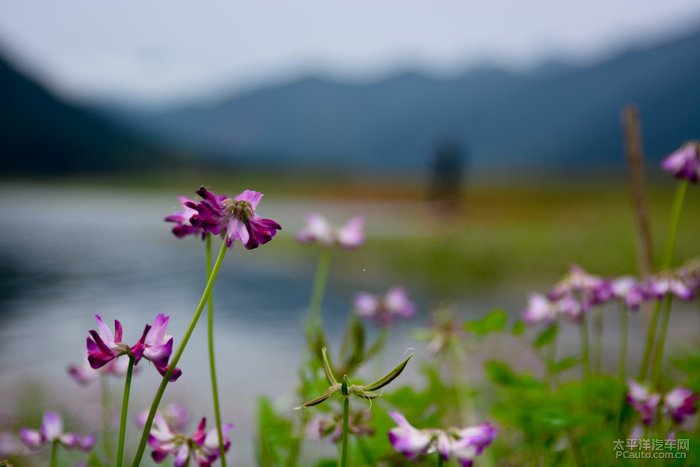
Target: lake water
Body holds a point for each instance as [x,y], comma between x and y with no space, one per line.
[67,254]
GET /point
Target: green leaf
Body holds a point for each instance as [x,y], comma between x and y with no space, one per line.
[328,368]
[564,364]
[326,394]
[546,336]
[389,377]
[502,374]
[493,321]
[518,327]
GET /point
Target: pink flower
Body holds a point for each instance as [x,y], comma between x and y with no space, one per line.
[407,439]
[539,310]
[317,230]
[201,447]
[643,401]
[384,309]
[84,374]
[629,291]
[183,226]
[680,404]
[668,283]
[175,415]
[685,162]
[235,218]
[52,430]
[155,345]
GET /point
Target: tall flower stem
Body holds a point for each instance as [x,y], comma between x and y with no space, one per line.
[344,439]
[585,348]
[54,454]
[656,364]
[597,340]
[622,364]
[439,460]
[212,360]
[681,189]
[178,353]
[106,416]
[318,289]
[125,411]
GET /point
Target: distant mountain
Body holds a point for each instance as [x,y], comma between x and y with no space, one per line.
[39,133]
[557,116]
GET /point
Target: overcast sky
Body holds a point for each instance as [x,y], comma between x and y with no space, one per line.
[169,51]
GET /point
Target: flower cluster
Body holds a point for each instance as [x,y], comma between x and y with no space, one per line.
[155,345]
[318,230]
[574,295]
[202,447]
[384,309]
[232,218]
[51,431]
[462,444]
[679,403]
[685,162]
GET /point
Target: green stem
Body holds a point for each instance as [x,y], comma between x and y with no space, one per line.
[106,416]
[178,353]
[597,340]
[623,343]
[344,439]
[54,453]
[319,287]
[125,411]
[212,361]
[676,209]
[439,459]
[585,349]
[656,365]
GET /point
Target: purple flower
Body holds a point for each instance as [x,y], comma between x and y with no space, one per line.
[183,226]
[578,291]
[154,345]
[383,310]
[235,219]
[175,415]
[317,230]
[643,401]
[201,447]
[680,404]
[660,285]
[685,162]
[462,444]
[539,310]
[84,374]
[52,430]
[629,291]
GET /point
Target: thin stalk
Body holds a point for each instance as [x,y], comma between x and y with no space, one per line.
[125,411]
[622,364]
[585,349]
[54,453]
[676,208]
[212,360]
[597,340]
[106,416]
[178,353]
[319,287]
[656,366]
[439,460]
[344,439]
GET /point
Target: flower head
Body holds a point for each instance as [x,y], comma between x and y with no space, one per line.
[384,309]
[235,219]
[51,430]
[680,404]
[183,227]
[587,288]
[318,230]
[629,291]
[540,309]
[155,345]
[202,447]
[643,401]
[84,374]
[462,444]
[668,283]
[685,162]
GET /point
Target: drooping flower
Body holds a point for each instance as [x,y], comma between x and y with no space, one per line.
[680,404]
[629,291]
[462,444]
[318,230]
[684,163]
[384,309]
[155,345]
[84,374]
[51,430]
[201,447]
[235,219]
[540,309]
[183,227]
[643,401]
